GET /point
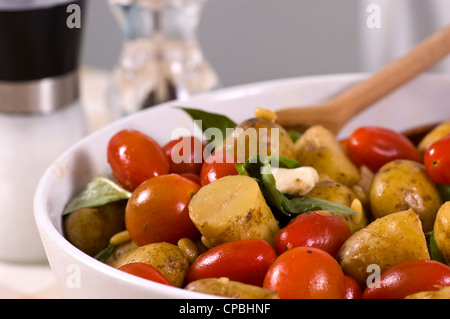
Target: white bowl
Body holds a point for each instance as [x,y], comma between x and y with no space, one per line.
[424,100]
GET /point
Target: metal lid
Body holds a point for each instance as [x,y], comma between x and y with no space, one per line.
[39,96]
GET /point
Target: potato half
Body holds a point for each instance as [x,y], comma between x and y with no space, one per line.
[232,208]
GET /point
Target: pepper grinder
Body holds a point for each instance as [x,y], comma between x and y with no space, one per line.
[40,112]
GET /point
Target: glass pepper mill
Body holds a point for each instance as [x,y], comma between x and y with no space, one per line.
[161,58]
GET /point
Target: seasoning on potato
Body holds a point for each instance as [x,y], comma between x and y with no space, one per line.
[231,289]
[339,193]
[319,148]
[401,185]
[167,258]
[384,242]
[258,136]
[232,208]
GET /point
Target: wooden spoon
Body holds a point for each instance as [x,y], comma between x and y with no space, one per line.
[335,113]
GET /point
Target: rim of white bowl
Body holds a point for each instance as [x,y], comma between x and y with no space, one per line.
[55,238]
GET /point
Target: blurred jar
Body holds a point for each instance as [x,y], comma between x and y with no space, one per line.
[40,112]
[161,58]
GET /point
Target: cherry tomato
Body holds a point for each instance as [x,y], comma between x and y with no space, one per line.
[216,166]
[158,210]
[320,229]
[306,273]
[437,160]
[352,288]
[375,146]
[145,271]
[135,157]
[409,277]
[193,177]
[245,260]
[191,162]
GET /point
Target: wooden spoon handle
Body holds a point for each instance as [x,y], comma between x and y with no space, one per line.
[395,74]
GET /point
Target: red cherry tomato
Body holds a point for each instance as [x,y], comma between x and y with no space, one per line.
[409,277]
[145,271]
[437,161]
[135,157]
[320,229]
[189,162]
[306,273]
[375,146]
[158,210]
[352,288]
[245,260]
[191,176]
[216,166]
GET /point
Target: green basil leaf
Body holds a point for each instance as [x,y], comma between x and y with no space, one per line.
[444,190]
[435,252]
[294,135]
[241,170]
[105,253]
[285,162]
[258,167]
[211,120]
[100,191]
[300,205]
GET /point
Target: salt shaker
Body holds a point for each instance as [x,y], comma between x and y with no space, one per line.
[40,112]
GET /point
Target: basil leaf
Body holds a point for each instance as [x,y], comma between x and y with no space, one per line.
[285,162]
[444,190]
[258,167]
[435,252]
[100,191]
[241,170]
[300,205]
[105,253]
[294,135]
[211,120]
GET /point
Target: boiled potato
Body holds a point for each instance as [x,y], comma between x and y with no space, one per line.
[231,289]
[319,148]
[441,293]
[120,250]
[167,258]
[338,193]
[89,229]
[232,208]
[435,134]
[258,136]
[385,242]
[403,184]
[441,230]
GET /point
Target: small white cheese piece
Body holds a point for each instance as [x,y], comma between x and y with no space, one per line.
[296,181]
